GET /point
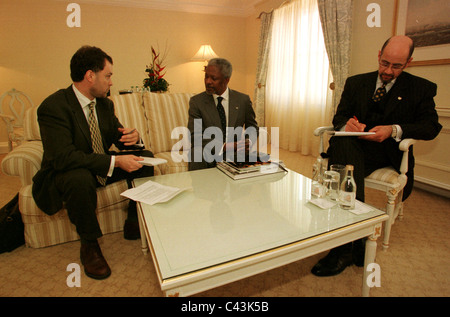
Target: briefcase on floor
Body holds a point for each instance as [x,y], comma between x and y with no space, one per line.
[11,226]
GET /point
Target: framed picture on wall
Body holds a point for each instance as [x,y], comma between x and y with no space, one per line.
[427,22]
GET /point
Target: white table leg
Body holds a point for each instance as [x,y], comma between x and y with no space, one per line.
[371,249]
[144,244]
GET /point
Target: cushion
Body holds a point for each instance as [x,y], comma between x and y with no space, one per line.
[386,175]
[165,112]
[130,111]
[30,125]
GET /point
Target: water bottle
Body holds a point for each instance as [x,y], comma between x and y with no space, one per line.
[347,194]
[317,188]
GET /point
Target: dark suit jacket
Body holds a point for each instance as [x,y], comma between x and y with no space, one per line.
[67,143]
[202,106]
[410,104]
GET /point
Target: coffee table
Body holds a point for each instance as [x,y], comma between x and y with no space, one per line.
[223,230]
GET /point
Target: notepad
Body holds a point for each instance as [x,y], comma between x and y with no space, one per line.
[345,133]
[152,161]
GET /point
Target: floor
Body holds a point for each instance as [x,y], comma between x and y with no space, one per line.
[416,264]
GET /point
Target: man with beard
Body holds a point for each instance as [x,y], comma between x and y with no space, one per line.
[213,112]
[395,105]
[78,127]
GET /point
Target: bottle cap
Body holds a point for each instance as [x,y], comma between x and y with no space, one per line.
[349,167]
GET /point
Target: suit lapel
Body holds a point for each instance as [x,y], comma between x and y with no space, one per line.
[211,109]
[368,88]
[396,95]
[78,113]
[233,109]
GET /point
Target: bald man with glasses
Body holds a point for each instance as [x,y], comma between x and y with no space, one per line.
[393,104]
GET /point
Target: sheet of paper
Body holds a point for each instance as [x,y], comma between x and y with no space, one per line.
[152,161]
[360,208]
[344,133]
[152,193]
[322,203]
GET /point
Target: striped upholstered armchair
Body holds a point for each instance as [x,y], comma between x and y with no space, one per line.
[153,115]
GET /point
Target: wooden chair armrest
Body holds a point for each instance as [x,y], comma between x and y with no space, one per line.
[404,146]
[406,143]
[319,132]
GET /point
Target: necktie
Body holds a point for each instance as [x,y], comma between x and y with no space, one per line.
[223,119]
[97,144]
[379,93]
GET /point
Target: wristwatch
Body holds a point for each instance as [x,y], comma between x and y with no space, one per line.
[394,131]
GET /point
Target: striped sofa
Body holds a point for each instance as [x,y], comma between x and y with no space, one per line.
[154,115]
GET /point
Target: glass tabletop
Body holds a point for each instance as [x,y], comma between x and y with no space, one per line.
[220,219]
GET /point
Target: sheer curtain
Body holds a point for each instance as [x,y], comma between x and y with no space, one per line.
[297,95]
[261,70]
[336,18]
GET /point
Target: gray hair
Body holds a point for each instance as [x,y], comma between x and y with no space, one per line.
[223,65]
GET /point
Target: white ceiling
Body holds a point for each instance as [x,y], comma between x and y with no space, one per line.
[241,8]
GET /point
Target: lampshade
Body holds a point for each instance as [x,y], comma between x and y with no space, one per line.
[205,53]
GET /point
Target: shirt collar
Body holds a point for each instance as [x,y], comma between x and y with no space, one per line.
[388,85]
[225,95]
[82,99]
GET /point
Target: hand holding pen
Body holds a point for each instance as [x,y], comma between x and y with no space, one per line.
[353,125]
[129,136]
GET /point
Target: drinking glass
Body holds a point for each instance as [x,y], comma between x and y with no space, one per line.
[340,169]
[331,182]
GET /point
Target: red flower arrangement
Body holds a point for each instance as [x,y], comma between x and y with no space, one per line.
[155,80]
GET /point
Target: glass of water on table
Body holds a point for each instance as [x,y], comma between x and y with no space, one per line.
[331,183]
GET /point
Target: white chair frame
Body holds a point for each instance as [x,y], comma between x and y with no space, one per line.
[392,186]
[19,102]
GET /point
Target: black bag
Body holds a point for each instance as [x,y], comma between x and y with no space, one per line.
[11,226]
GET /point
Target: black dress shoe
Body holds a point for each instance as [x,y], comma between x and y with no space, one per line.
[95,265]
[334,263]
[131,230]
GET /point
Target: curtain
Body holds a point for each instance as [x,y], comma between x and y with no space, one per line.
[297,96]
[336,19]
[261,71]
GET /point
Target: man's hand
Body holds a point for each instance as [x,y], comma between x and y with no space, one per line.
[128,163]
[242,145]
[382,132]
[353,125]
[129,136]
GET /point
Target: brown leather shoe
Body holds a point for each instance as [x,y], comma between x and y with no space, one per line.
[95,265]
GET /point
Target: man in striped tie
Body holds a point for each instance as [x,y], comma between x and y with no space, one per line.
[78,127]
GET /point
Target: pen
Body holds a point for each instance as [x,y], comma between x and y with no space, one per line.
[130,132]
[354,117]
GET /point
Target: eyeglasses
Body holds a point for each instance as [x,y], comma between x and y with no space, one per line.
[386,64]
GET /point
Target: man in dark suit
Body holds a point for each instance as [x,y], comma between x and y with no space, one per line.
[72,167]
[208,138]
[403,109]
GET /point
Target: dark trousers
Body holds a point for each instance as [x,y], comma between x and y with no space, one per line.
[79,192]
[365,156]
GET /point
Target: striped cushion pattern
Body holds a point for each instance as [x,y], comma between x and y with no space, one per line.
[30,125]
[165,112]
[130,112]
[24,161]
[386,175]
[42,230]
[172,166]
